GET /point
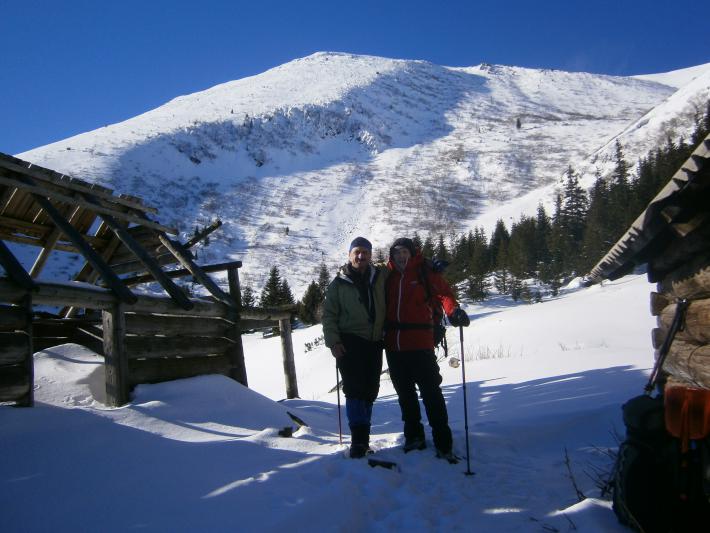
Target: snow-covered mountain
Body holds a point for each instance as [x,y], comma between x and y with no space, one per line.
[300,159]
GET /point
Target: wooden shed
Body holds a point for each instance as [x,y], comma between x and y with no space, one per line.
[144,337]
[672,238]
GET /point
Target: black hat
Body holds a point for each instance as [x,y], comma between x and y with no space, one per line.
[407,243]
[362,242]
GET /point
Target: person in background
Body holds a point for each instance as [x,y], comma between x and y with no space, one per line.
[413,290]
[353,320]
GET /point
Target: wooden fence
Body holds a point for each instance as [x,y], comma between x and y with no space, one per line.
[149,341]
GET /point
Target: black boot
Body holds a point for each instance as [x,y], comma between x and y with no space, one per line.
[360,441]
[413,437]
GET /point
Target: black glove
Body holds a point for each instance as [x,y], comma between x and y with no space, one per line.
[439,265]
[459,318]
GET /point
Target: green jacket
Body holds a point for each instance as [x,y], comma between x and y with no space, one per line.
[344,311]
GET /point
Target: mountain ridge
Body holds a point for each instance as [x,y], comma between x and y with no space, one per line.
[298,160]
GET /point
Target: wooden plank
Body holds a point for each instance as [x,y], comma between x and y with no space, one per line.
[91,297]
[183,256]
[14,269]
[690,280]
[22,182]
[288,360]
[136,266]
[14,348]
[114,327]
[112,280]
[54,178]
[175,325]
[690,362]
[696,327]
[679,252]
[14,383]
[158,370]
[182,272]
[6,195]
[49,243]
[159,347]
[12,318]
[658,302]
[148,262]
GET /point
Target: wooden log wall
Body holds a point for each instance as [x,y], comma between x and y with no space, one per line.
[688,360]
[16,365]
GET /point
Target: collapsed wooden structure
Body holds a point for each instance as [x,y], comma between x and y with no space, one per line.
[144,338]
[672,237]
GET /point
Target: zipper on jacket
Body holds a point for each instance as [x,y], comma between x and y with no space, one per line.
[399,305]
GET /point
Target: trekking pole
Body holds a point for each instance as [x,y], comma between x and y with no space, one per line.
[465,405]
[337,387]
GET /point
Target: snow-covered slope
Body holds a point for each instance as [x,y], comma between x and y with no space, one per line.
[298,160]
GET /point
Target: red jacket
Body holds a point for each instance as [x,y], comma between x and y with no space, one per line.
[407,305]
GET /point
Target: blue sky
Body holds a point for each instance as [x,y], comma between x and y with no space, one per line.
[73,66]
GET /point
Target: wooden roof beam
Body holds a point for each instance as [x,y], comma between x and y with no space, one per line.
[181,273]
[14,269]
[49,245]
[112,280]
[183,256]
[52,177]
[14,179]
[148,262]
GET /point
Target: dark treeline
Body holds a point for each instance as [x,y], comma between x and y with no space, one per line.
[537,253]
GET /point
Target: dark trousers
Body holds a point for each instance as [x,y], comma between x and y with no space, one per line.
[418,368]
[360,368]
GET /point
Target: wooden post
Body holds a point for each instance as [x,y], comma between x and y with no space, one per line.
[289,365]
[238,370]
[27,400]
[114,328]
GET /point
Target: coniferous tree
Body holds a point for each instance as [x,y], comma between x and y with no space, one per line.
[323,280]
[597,233]
[543,228]
[440,249]
[248,297]
[310,306]
[619,194]
[558,242]
[271,293]
[285,294]
[417,240]
[428,247]
[498,246]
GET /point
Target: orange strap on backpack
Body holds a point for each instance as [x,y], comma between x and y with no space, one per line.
[687,414]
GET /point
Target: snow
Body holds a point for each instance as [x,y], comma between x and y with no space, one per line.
[204,454]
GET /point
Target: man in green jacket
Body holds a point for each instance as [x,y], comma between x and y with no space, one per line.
[353,318]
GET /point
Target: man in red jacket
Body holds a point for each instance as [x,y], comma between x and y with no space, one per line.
[412,290]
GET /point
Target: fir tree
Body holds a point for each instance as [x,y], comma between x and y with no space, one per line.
[428,247]
[248,297]
[440,249]
[285,294]
[310,306]
[323,280]
[271,293]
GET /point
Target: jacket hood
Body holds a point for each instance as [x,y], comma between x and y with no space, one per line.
[414,262]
